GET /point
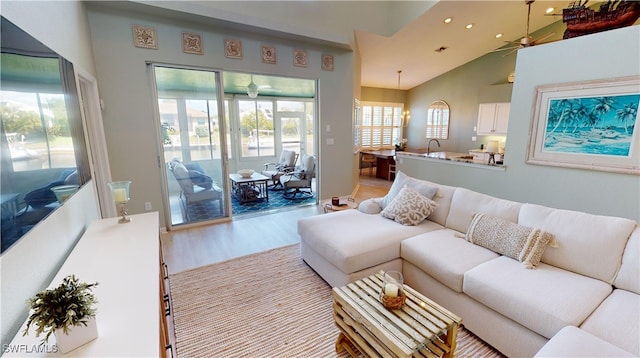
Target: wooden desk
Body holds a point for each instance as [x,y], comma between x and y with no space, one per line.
[420,328]
[123,259]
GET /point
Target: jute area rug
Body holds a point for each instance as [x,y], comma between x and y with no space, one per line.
[269,304]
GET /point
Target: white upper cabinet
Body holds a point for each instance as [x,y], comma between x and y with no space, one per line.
[493,118]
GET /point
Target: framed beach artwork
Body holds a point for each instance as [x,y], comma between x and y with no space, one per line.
[589,125]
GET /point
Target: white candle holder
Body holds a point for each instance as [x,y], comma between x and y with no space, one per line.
[392,293]
[120,193]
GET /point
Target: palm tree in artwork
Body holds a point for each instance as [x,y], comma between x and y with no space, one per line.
[559,112]
[601,107]
[626,114]
[579,114]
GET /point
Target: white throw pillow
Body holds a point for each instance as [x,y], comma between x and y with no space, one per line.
[370,206]
[409,207]
[402,180]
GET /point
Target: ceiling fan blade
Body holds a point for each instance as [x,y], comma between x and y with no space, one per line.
[504,49]
[510,52]
[536,41]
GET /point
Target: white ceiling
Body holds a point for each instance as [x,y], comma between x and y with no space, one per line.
[410,49]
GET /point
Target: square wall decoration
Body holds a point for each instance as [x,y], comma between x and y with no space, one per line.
[145,37]
[268,54]
[192,43]
[327,62]
[233,48]
[300,58]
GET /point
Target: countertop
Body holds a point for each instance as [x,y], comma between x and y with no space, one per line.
[454,158]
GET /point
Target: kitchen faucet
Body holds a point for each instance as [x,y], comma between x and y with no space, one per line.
[429,146]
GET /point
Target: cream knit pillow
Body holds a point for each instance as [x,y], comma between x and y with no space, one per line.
[522,243]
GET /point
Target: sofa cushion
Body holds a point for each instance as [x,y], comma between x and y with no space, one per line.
[409,207]
[182,176]
[465,203]
[543,300]
[617,320]
[574,342]
[591,245]
[200,179]
[401,180]
[444,256]
[352,241]
[519,242]
[628,278]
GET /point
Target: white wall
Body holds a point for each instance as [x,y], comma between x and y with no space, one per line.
[29,265]
[599,56]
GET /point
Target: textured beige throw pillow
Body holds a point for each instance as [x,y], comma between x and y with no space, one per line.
[402,180]
[409,207]
[519,242]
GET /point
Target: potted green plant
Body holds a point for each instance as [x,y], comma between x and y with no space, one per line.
[68,311]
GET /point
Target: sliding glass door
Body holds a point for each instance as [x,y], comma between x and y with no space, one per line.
[193,142]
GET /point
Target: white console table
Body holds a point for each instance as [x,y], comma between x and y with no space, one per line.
[123,259]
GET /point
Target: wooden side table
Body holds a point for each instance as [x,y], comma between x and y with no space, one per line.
[345,203]
[420,328]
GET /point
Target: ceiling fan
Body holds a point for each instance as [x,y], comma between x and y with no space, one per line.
[527,40]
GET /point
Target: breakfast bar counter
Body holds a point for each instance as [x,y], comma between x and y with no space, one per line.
[453,158]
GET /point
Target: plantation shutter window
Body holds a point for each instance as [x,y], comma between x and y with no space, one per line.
[380,126]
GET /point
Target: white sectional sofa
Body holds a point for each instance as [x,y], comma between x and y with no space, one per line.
[581,299]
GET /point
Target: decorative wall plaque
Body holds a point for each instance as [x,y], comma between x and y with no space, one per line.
[300,58]
[233,48]
[268,54]
[327,62]
[192,43]
[145,37]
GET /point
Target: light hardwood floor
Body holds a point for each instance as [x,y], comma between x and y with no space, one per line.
[195,247]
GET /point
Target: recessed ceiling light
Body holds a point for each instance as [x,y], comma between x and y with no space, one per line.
[498,36]
[448,20]
[549,10]
[468,26]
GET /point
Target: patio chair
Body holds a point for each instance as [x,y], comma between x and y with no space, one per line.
[299,180]
[195,185]
[285,164]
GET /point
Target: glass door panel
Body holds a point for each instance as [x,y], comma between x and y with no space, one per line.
[292,131]
[193,143]
[257,137]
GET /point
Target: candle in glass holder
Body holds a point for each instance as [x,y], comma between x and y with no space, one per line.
[120,195]
[391,290]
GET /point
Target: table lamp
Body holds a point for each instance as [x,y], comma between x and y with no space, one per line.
[120,192]
[492,149]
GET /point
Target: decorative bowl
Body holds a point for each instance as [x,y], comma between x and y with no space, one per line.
[246,173]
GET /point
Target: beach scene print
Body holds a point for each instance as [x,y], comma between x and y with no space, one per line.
[604,125]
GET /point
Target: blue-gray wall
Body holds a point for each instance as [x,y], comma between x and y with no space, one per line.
[599,56]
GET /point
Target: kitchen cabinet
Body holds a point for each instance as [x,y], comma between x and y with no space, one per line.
[493,118]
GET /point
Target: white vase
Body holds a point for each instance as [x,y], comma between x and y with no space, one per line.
[77,336]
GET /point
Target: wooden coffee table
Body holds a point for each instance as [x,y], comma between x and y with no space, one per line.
[422,328]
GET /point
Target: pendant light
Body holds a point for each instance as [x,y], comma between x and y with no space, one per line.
[399,73]
[252,89]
